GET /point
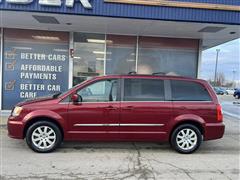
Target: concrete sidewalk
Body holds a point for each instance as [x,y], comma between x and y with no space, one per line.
[218,159]
[3,120]
[4,114]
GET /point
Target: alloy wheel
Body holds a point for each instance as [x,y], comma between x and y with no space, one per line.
[43,137]
[186,139]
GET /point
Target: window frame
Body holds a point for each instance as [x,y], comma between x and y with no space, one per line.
[100,80]
[166,93]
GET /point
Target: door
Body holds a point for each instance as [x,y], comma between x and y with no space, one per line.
[97,116]
[144,111]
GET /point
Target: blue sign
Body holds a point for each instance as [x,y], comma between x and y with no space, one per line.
[32,69]
[221,11]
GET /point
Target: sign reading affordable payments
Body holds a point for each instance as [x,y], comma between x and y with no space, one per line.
[33,69]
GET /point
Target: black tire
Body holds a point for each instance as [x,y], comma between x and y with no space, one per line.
[42,124]
[182,128]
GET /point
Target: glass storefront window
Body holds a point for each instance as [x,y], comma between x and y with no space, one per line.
[35,63]
[168,55]
[96,55]
[89,56]
[121,54]
[1,68]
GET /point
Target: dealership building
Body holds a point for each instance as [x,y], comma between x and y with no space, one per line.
[50,45]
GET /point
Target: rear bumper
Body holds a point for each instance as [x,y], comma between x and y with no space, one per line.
[214,131]
[15,128]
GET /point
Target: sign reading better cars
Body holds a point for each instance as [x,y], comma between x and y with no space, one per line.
[33,69]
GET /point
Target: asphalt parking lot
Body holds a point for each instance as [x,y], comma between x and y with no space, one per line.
[230,105]
[218,159]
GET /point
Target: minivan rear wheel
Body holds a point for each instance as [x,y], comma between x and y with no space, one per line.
[186,138]
[43,137]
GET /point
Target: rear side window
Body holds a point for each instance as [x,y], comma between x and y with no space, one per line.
[143,90]
[189,91]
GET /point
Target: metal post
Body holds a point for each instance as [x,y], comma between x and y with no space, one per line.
[199,60]
[233,80]
[105,56]
[1,67]
[216,66]
[137,52]
[70,69]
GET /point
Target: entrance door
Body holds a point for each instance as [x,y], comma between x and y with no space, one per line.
[97,116]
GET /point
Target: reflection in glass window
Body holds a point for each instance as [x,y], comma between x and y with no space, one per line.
[0,38]
[189,91]
[89,53]
[143,90]
[121,54]
[168,55]
[102,91]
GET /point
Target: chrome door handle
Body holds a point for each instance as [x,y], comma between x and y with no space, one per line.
[128,108]
[182,108]
[111,108]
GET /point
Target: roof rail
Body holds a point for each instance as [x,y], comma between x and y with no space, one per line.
[132,72]
[159,73]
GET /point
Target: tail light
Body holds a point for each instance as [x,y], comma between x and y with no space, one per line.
[219,113]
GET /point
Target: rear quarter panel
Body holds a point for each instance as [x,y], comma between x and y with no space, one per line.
[202,112]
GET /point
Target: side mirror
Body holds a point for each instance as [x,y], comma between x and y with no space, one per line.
[76,98]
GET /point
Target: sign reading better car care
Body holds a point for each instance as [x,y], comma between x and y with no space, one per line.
[33,69]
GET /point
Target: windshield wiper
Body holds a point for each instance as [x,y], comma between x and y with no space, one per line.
[56,95]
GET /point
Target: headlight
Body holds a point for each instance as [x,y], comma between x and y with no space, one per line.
[17,110]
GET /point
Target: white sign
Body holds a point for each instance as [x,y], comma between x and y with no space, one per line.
[19,1]
[50,2]
[69,3]
[85,3]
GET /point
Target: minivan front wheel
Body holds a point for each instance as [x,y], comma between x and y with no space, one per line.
[43,136]
[186,138]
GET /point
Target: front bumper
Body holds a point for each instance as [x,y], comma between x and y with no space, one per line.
[15,128]
[214,131]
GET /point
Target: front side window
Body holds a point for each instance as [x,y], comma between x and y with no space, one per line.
[101,91]
[143,90]
[188,91]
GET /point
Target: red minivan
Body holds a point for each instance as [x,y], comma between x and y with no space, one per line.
[180,110]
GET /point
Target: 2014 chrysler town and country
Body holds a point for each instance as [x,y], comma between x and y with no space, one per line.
[183,111]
